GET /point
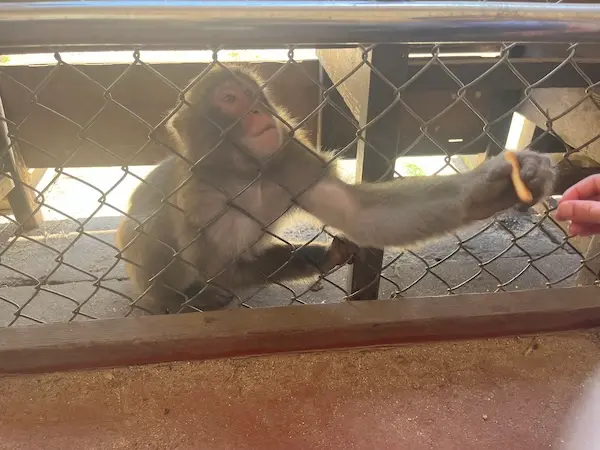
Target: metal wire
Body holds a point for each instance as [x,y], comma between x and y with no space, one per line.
[70,268]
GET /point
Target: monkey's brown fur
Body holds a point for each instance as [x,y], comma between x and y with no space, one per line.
[224,211]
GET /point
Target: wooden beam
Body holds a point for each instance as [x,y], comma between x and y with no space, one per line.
[526,134]
[115,135]
[502,78]
[6,185]
[22,196]
[36,175]
[340,63]
[504,101]
[242,332]
[46,139]
[470,69]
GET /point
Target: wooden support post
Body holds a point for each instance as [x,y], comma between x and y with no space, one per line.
[526,134]
[22,196]
[504,102]
[368,96]
[320,116]
[336,129]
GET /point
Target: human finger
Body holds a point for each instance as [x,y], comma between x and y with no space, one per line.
[585,189]
[587,211]
[583,229]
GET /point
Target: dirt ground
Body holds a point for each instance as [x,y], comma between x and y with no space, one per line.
[491,394]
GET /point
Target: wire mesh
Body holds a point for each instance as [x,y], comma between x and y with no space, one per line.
[73,118]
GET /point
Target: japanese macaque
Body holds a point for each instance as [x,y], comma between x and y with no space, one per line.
[208,218]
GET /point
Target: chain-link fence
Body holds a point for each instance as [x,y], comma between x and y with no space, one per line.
[97,122]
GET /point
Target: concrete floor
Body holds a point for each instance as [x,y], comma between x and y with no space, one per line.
[490,394]
[90,258]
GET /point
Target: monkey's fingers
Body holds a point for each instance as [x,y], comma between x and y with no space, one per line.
[342,251]
[522,191]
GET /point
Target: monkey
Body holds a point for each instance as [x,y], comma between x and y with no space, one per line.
[207,219]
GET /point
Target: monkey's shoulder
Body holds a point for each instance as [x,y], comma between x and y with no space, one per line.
[153,188]
[300,166]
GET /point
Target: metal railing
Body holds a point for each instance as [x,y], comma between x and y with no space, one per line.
[189,23]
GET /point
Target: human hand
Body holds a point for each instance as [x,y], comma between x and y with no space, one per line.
[581,205]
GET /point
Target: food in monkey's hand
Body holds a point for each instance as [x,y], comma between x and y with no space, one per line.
[522,191]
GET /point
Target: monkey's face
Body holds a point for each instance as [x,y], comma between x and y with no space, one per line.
[255,127]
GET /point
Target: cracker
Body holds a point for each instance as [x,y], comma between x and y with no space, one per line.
[523,193]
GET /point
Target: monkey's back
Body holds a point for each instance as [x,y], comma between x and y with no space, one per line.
[158,184]
[146,207]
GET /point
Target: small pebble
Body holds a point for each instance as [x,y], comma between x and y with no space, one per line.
[485,417]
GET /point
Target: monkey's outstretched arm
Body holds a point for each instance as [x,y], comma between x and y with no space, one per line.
[408,210]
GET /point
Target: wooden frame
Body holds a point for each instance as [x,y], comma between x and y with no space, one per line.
[235,333]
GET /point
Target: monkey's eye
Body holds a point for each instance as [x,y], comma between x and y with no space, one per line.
[229,98]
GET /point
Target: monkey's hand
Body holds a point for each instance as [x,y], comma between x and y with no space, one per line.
[317,257]
[491,189]
[340,252]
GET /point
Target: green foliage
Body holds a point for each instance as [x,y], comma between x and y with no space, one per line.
[4,59]
[414,170]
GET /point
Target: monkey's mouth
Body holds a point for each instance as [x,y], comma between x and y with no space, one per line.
[265,129]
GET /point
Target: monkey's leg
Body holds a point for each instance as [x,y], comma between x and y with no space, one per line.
[145,257]
[277,263]
[157,296]
[205,298]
